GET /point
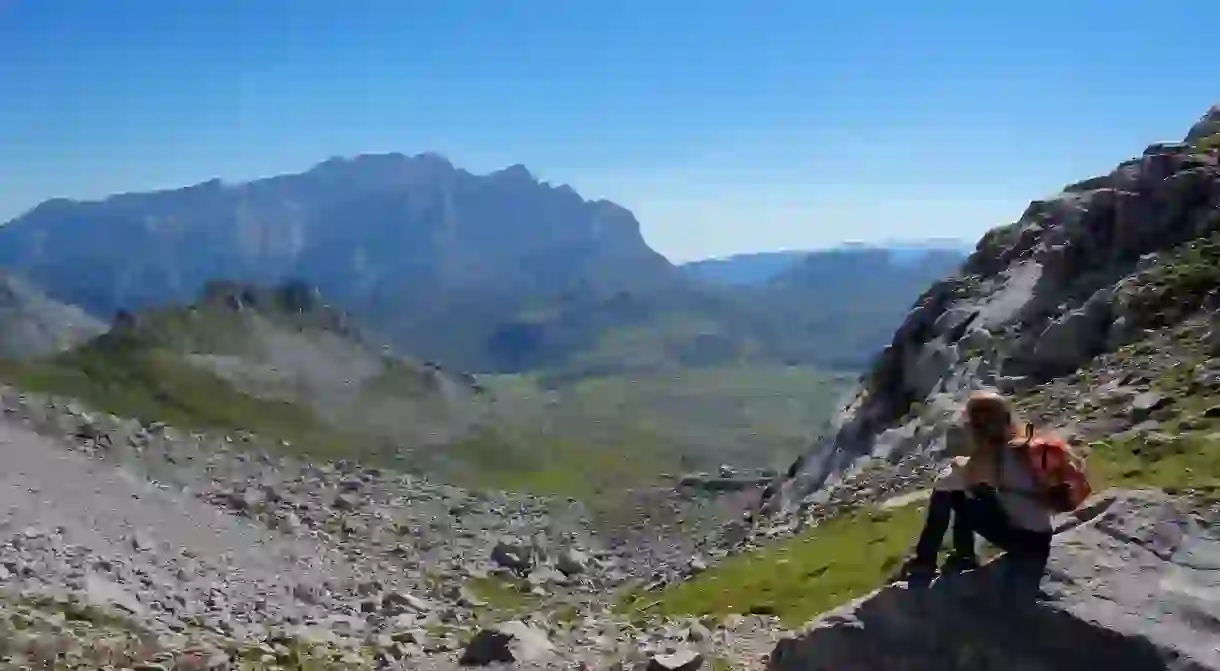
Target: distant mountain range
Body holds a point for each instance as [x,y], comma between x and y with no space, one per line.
[762,267]
[496,272]
[743,269]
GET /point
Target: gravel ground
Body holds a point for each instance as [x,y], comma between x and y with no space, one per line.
[194,551]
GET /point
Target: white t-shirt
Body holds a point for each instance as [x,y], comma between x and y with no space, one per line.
[1018,491]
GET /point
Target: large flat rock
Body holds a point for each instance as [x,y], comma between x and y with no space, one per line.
[1137,587]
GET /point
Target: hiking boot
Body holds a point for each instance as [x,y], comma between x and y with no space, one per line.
[960,563]
[916,569]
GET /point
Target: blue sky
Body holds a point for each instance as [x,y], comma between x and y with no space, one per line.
[726,126]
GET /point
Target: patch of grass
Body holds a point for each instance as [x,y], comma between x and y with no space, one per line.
[504,598]
[566,615]
[840,560]
[532,461]
[745,414]
[123,376]
[192,329]
[1000,238]
[1209,143]
[1175,287]
[1174,462]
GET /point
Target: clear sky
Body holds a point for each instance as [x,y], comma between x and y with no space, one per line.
[726,126]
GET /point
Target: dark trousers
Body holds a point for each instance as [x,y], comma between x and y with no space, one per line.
[985,515]
[942,508]
[981,512]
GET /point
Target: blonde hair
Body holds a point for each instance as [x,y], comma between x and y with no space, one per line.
[990,419]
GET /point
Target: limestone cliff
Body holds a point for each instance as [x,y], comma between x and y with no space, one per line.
[1093,269]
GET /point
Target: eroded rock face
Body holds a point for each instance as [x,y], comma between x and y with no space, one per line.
[1035,301]
[1135,588]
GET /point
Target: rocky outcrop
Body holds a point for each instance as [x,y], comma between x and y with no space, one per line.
[1072,278]
[1133,589]
[1208,126]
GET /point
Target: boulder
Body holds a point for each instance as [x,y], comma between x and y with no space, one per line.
[513,555]
[924,367]
[572,561]
[679,660]
[1074,338]
[1133,588]
[1143,405]
[509,643]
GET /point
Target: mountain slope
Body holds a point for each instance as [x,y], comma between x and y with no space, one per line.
[282,364]
[1093,308]
[276,362]
[759,268]
[32,324]
[742,269]
[489,273]
[426,248]
[837,307]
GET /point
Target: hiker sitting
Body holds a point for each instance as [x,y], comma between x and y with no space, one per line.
[944,505]
[1002,497]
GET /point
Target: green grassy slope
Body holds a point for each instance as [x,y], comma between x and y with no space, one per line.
[759,415]
[277,363]
[125,377]
[840,560]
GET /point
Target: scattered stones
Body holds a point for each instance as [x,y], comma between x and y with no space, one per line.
[213,550]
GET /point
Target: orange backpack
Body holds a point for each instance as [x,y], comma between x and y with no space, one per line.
[1059,471]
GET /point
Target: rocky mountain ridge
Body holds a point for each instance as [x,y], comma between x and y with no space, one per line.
[411,243]
[1081,274]
[487,273]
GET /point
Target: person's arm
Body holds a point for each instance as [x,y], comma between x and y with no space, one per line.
[957,441]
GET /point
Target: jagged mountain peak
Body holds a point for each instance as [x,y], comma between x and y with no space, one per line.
[394,238]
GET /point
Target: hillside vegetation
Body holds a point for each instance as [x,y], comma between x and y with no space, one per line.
[279,363]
